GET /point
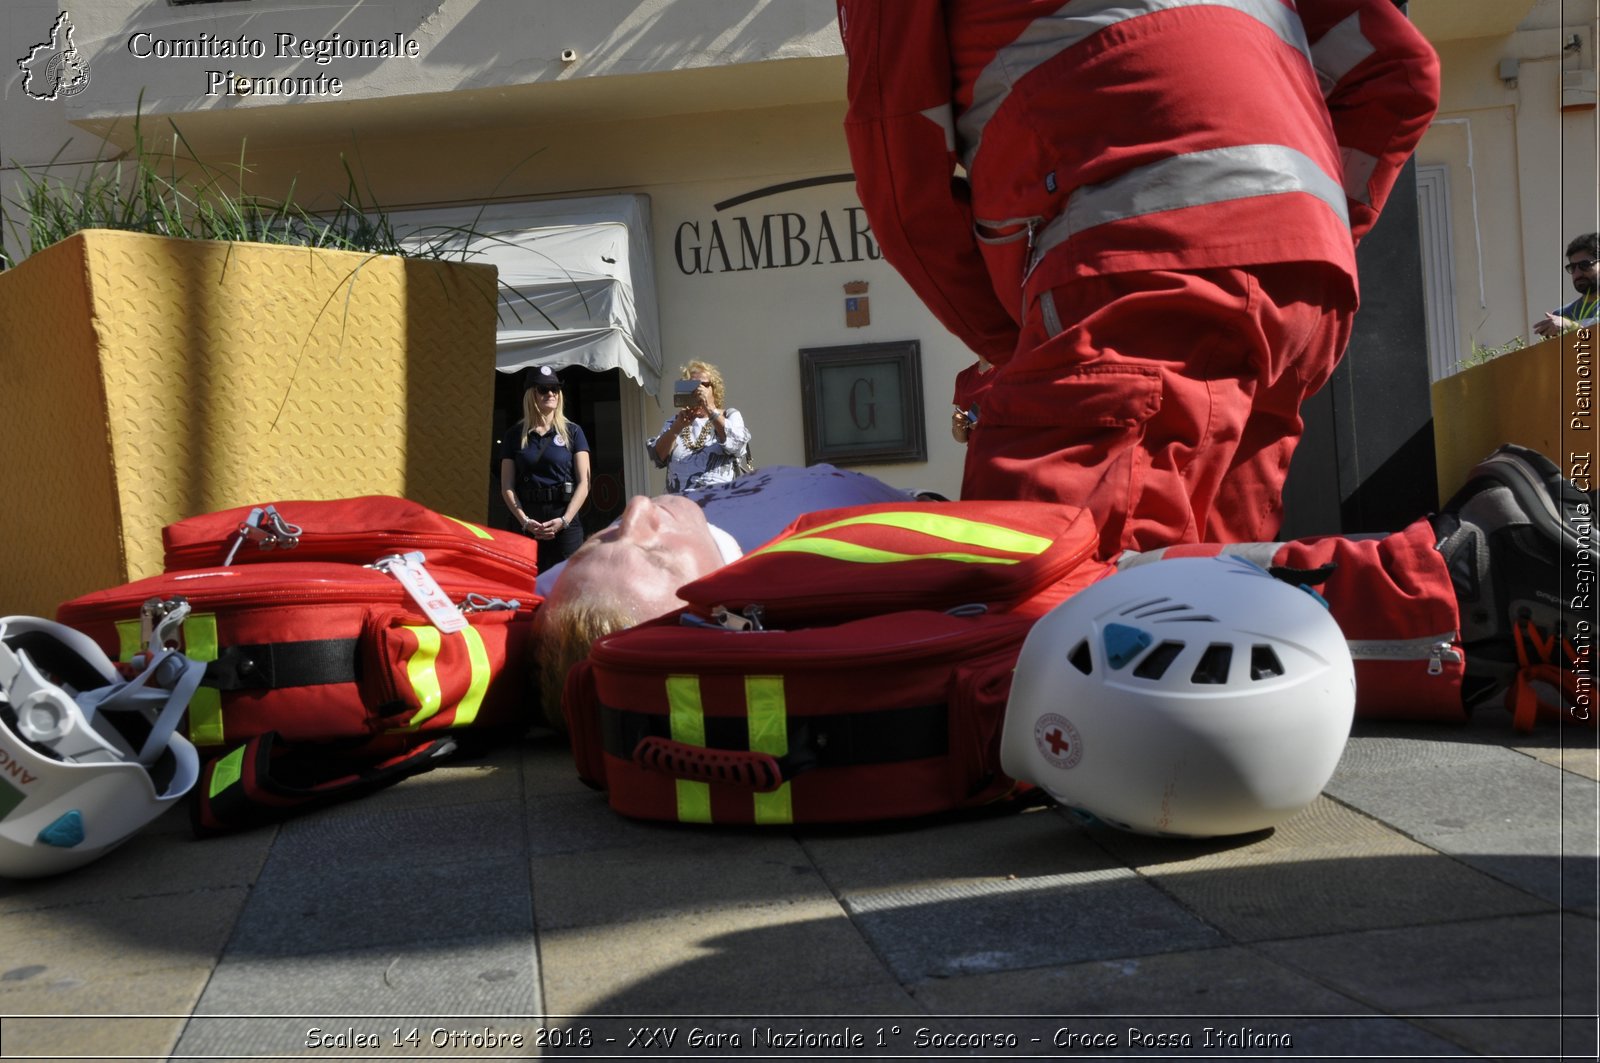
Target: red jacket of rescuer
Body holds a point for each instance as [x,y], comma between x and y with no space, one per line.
[1102,136]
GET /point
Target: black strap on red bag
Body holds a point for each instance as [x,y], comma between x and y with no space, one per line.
[266,780]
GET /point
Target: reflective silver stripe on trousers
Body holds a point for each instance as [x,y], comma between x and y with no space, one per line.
[1338,51]
[944,116]
[1193,180]
[1073,23]
[1358,167]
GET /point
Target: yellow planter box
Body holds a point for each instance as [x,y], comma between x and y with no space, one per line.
[148,379]
[1533,397]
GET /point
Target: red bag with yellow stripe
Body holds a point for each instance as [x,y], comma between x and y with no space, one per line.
[378,625]
[854,668]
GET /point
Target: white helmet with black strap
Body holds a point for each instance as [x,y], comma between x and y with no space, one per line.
[87,757]
[1195,697]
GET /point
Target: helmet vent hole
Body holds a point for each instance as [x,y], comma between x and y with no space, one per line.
[1213,666]
[1081,659]
[1158,660]
[1139,607]
[1166,605]
[1264,663]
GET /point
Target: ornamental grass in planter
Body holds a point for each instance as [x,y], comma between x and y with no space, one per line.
[153,375]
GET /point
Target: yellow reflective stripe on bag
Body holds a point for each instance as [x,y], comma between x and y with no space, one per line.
[205,707]
[199,644]
[871,555]
[768,715]
[472,700]
[229,770]
[130,635]
[422,671]
[956,530]
[481,533]
[686,717]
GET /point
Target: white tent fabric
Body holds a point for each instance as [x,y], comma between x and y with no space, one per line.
[577,279]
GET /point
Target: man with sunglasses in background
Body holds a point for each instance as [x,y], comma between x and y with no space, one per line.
[1584,269]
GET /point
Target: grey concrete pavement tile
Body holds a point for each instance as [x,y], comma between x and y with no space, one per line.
[304,909]
[64,992]
[1042,922]
[1326,870]
[1224,981]
[1580,758]
[109,946]
[149,864]
[1339,892]
[397,838]
[740,960]
[584,822]
[86,1040]
[548,769]
[1516,1029]
[1455,968]
[1029,844]
[1434,788]
[701,873]
[1514,817]
[270,1006]
[466,976]
[1324,826]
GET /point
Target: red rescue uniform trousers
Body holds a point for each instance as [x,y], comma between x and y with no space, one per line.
[1166,403]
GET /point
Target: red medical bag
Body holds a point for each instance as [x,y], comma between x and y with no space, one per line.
[854,668]
[310,632]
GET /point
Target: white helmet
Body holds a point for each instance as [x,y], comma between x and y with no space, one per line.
[86,757]
[1194,697]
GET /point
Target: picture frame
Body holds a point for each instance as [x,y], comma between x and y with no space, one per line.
[862,403]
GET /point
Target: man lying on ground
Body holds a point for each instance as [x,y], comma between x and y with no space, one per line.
[1442,616]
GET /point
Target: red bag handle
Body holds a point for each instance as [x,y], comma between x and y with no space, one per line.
[758,772]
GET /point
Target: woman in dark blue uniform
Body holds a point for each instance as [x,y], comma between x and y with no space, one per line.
[544,470]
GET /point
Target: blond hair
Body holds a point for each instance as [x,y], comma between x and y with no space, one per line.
[564,632]
[713,377]
[532,415]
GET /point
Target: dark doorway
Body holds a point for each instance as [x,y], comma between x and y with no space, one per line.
[594,403]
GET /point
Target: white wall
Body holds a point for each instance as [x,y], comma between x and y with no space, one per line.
[1522,168]
[753,322]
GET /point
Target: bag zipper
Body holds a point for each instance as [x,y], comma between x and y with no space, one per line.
[378,589]
[756,650]
[377,544]
[1435,649]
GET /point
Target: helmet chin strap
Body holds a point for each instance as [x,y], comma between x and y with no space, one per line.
[65,723]
[161,692]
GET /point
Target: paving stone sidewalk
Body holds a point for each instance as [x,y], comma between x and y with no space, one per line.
[1440,900]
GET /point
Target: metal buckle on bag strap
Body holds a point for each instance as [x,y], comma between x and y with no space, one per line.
[267,529]
[161,623]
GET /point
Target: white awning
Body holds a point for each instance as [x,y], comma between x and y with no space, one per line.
[577,279]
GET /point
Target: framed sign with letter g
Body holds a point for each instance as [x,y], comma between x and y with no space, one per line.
[863,403]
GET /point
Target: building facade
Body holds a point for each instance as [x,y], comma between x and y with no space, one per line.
[703,138]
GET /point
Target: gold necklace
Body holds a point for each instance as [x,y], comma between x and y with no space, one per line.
[697,444]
